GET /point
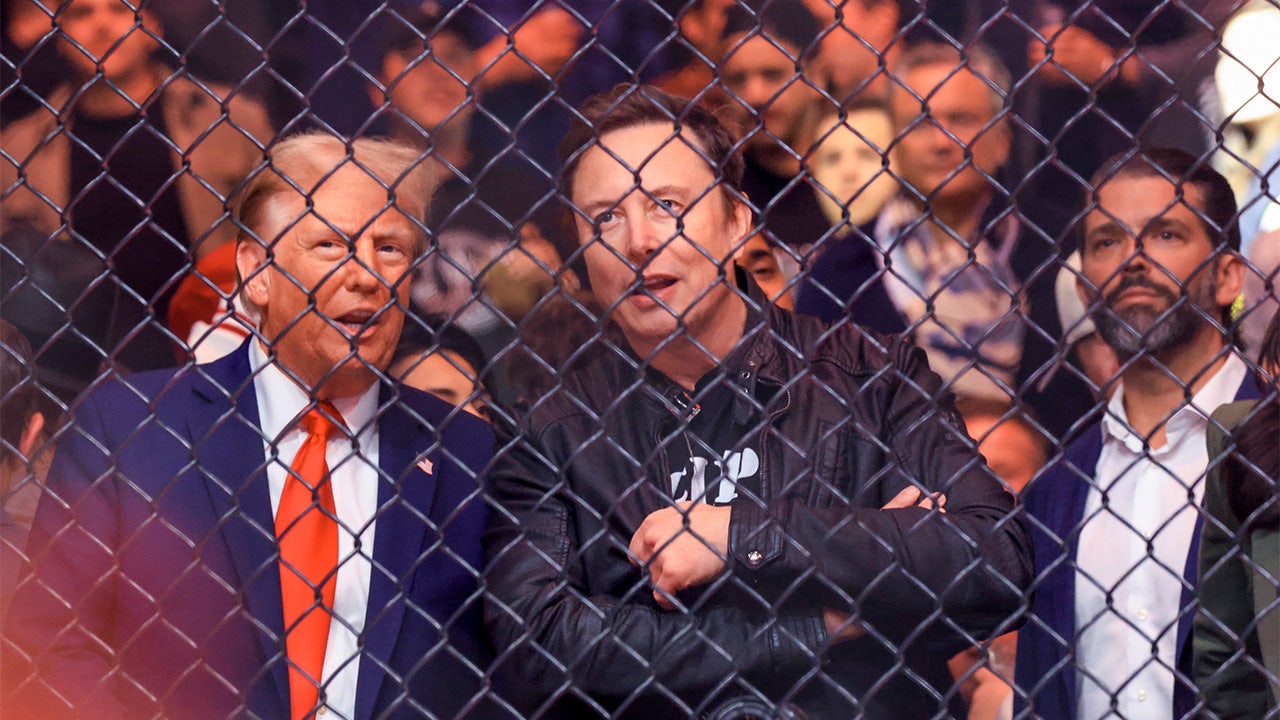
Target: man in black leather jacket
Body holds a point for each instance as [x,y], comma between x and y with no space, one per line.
[742,512]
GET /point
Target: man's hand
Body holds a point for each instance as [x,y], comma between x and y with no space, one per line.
[1078,55]
[911,496]
[840,625]
[683,547]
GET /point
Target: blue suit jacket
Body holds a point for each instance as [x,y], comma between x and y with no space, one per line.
[155,587]
[1053,510]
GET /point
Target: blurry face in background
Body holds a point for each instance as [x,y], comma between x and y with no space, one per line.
[932,152]
[443,374]
[847,165]
[430,88]
[109,33]
[1013,451]
[763,79]
[757,259]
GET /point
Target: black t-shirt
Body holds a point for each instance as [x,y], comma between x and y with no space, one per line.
[713,456]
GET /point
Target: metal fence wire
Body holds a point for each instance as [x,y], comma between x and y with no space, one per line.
[639,358]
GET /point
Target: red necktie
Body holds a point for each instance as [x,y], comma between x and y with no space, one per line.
[308,535]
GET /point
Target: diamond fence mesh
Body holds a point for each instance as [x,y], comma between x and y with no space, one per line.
[790,359]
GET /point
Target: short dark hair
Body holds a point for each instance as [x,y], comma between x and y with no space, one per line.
[781,21]
[1219,215]
[627,106]
[19,399]
[434,333]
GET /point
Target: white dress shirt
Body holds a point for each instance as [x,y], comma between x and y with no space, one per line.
[1128,596]
[354,474]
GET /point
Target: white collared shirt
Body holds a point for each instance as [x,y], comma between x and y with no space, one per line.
[354,475]
[1128,597]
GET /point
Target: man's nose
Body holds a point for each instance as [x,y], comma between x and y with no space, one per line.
[359,272]
[645,236]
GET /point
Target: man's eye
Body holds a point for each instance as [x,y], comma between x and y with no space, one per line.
[604,218]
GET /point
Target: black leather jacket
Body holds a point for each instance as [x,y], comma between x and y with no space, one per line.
[846,421]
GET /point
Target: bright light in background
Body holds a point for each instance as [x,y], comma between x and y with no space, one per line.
[1250,52]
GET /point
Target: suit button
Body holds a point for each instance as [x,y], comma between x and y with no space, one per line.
[323,710]
[754,558]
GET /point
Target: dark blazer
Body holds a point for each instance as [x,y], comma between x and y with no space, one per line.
[1053,509]
[155,588]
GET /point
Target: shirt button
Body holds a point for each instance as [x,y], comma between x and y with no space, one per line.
[1143,614]
[754,558]
[1142,696]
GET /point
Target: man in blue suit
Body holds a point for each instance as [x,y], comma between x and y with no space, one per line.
[1116,521]
[157,568]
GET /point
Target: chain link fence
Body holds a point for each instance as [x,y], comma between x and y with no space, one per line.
[739,390]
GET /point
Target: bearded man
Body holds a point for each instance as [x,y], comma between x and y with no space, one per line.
[1116,521]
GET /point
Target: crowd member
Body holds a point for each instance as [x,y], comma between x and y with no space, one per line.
[956,253]
[692,523]
[989,323]
[776,92]
[1105,75]
[847,170]
[193,555]
[1116,519]
[23,455]
[847,166]
[130,161]
[443,360]
[1015,450]
[857,42]
[1236,637]
[696,54]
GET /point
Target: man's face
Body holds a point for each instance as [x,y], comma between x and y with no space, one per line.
[763,78]
[931,154]
[332,297]
[657,249]
[847,166]
[443,374]
[430,88]
[1144,249]
[107,32]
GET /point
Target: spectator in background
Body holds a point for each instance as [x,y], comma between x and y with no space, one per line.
[958,256]
[131,161]
[1248,79]
[1107,75]
[1015,450]
[1237,630]
[847,169]
[857,41]
[848,165]
[776,94]
[443,360]
[696,54]
[24,456]
[1116,519]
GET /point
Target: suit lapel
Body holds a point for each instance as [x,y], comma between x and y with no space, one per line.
[405,493]
[229,450]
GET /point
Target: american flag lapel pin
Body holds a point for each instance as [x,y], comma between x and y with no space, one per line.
[426,465]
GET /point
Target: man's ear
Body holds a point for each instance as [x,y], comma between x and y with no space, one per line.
[740,224]
[251,263]
[1230,278]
